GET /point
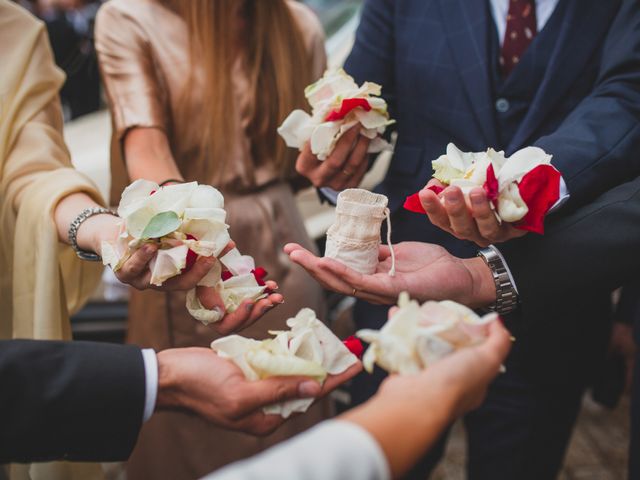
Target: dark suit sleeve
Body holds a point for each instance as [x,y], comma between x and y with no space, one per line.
[372,58]
[598,145]
[69,400]
[595,248]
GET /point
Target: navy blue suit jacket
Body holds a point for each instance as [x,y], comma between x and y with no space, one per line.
[432,58]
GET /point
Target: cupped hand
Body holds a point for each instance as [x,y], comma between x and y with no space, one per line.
[198,380]
[425,271]
[459,380]
[136,271]
[246,314]
[472,220]
[344,168]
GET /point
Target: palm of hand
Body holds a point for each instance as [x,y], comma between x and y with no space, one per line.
[425,271]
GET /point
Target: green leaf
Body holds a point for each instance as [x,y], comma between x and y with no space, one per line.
[161,224]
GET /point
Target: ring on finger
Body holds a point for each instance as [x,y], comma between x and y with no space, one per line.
[353,294]
[347,173]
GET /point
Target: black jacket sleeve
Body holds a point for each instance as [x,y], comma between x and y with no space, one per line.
[598,246]
[69,400]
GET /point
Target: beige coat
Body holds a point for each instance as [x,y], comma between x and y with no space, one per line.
[41,281]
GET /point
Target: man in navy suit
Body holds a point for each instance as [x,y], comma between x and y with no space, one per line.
[452,71]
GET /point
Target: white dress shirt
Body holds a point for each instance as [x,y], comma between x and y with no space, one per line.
[500,10]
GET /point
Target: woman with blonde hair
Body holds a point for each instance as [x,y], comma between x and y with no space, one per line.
[196,90]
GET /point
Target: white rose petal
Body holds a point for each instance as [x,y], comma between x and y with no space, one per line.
[417,336]
[167,264]
[205,196]
[327,95]
[238,264]
[309,348]
[199,312]
[296,129]
[135,196]
[521,163]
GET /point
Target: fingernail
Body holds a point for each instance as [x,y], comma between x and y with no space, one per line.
[281,302]
[308,389]
[267,308]
[451,197]
[477,199]
[249,307]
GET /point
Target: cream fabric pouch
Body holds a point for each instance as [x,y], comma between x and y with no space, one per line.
[354,237]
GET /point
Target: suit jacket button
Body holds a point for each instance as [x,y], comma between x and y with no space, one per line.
[502,105]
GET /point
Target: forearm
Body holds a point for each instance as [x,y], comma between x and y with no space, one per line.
[404,431]
[148,155]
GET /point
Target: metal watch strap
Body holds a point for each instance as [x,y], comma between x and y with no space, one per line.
[73,232]
[506,295]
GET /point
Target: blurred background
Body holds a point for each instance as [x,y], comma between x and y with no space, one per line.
[598,448]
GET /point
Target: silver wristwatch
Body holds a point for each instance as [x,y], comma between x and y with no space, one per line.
[506,294]
[73,232]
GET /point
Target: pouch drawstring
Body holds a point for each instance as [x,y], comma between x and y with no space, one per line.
[387,214]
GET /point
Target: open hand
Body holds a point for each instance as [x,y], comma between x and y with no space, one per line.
[198,380]
[474,220]
[246,314]
[344,168]
[425,271]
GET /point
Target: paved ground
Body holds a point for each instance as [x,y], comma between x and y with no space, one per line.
[598,449]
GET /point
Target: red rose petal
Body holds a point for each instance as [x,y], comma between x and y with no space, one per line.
[412,203]
[191,256]
[354,345]
[348,104]
[260,274]
[540,190]
[437,189]
[226,275]
[491,185]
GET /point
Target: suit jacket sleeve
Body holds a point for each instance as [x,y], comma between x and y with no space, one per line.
[372,58]
[78,401]
[595,247]
[596,147]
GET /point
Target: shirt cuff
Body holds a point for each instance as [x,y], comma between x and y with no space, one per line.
[506,267]
[151,382]
[562,197]
[330,194]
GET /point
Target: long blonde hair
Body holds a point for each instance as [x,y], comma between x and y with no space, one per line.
[276,61]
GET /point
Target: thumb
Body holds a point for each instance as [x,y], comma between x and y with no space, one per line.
[278,389]
[210,298]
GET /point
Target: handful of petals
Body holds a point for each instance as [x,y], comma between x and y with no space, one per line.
[417,335]
[522,188]
[309,348]
[337,105]
[185,221]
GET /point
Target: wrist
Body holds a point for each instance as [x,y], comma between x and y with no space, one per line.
[168,383]
[483,287]
[95,230]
